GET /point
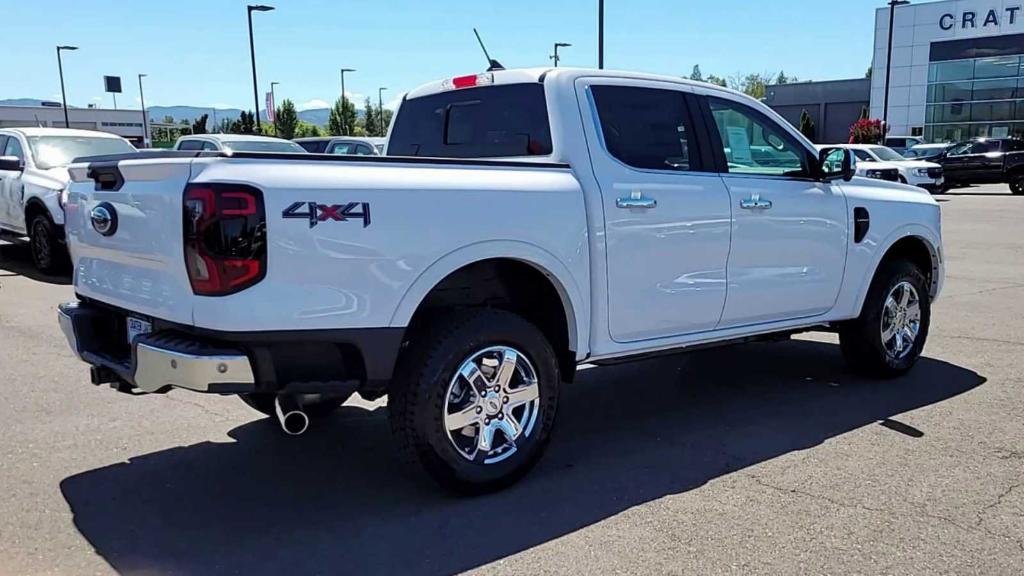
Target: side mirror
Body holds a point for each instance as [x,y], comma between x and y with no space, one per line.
[836,163]
[11,163]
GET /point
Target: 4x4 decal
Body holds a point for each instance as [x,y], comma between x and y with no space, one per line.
[317,213]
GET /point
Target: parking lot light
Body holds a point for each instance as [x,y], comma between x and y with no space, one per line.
[380,108]
[252,54]
[60,70]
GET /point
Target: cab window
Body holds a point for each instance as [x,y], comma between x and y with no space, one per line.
[342,148]
[14,148]
[645,128]
[862,155]
[753,144]
[363,150]
[190,145]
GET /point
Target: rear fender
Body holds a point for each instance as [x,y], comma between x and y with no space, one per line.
[576,307]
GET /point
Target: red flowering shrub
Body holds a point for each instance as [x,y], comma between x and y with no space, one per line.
[866,131]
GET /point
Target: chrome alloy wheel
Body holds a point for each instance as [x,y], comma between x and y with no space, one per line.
[901,320]
[491,404]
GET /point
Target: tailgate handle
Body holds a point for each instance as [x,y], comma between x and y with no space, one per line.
[106,175]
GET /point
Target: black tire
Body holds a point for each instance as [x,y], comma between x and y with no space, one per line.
[1017,186]
[423,385]
[264,404]
[902,180]
[49,253]
[861,339]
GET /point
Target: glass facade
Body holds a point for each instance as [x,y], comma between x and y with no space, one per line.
[975,98]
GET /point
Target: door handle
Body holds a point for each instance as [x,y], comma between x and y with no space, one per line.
[636,200]
[755,203]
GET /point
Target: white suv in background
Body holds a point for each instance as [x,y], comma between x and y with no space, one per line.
[33,175]
[236,143]
[920,173]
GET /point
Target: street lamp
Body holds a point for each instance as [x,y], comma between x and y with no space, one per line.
[63,96]
[557,46]
[888,64]
[344,118]
[145,125]
[252,53]
[600,34]
[380,108]
[273,102]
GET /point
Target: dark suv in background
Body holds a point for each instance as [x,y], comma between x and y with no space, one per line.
[985,161]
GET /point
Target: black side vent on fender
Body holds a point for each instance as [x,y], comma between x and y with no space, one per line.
[861,224]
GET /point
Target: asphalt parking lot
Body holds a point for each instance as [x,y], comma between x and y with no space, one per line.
[763,458]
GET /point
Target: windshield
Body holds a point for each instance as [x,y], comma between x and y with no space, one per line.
[54,151]
[918,153]
[886,154]
[262,146]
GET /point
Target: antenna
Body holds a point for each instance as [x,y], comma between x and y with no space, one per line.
[492,64]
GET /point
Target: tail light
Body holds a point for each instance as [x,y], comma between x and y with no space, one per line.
[225,238]
[470,81]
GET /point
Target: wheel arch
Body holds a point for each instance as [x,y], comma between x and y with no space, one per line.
[33,207]
[913,245]
[487,268]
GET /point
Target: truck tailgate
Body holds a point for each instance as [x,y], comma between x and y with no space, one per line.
[139,265]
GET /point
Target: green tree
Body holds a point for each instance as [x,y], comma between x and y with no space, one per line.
[287,119]
[246,124]
[806,125]
[753,84]
[716,80]
[343,118]
[370,123]
[868,73]
[696,75]
[306,130]
[168,119]
[199,126]
[864,112]
[782,78]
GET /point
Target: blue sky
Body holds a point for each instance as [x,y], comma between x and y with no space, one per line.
[197,53]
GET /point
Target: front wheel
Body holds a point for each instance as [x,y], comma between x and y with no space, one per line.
[473,400]
[48,252]
[888,337]
[1017,186]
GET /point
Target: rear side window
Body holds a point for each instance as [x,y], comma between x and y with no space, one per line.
[190,145]
[487,122]
[645,127]
[314,146]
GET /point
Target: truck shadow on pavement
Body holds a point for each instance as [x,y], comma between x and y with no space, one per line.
[336,499]
[16,260]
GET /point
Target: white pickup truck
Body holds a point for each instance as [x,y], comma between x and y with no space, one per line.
[33,179]
[522,223]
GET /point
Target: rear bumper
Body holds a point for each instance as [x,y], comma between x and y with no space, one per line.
[157,362]
[178,356]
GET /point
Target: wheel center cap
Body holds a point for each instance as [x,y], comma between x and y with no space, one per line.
[492,404]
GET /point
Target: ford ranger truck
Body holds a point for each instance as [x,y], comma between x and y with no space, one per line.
[521,223]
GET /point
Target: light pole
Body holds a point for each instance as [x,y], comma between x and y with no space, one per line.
[380,108]
[888,65]
[252,54]
[555,55]
[145,125]
[344,99]
[63,96]
[273,102]
[600,34]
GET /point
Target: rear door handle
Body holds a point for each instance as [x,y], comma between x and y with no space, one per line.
[636,200]
[755,203]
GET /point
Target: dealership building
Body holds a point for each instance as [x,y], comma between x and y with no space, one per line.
[957,69]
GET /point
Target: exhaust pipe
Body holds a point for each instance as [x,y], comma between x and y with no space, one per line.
[290,415]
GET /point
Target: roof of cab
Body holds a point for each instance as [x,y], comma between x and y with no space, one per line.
[525,75]
[233,138]
[29,131]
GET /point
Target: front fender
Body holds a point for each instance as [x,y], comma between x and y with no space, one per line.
[46,196]
[577,308]
[931,240]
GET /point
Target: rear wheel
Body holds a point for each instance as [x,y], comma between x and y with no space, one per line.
[888,337]
[474,398]
[1017,185]
[48,252]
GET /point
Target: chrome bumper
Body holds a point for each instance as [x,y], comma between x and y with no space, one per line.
[158,362]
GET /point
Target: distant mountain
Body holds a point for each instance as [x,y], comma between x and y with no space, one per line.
[317,116]
[23,102]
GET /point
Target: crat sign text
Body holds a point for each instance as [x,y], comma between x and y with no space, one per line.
[972,19]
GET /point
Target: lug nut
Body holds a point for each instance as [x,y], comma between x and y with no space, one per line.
[505,400]
[501,415]
[479,409]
